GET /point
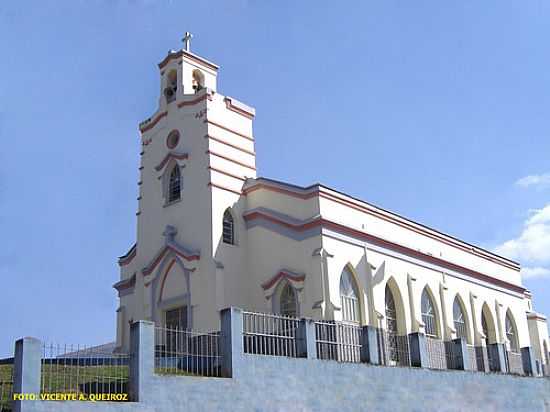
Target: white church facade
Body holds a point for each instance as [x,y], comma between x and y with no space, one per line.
[211,234]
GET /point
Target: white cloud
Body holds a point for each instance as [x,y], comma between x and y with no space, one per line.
[534,180]
[535,272]
[532,246]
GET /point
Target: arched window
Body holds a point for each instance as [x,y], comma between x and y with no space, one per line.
[287,303]
[171,86]
[228,229]
[198,80]
[391,327]
[511,334]
[174,184]
[546,354]
[459,319]
[428,314]
[349,298]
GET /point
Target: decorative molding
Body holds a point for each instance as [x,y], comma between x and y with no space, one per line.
[192,102]
[150,123]
[208,136]
[296,281]
[319,223]
[171,246]
[223,188]
[227,129]
[536,316]
[126,286]
[240,108]
[171,155]
[281,275]
[183,53]
[223,172]
[318,190]
[230,160]
[127,258]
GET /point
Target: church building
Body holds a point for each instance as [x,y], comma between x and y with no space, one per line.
[212,234]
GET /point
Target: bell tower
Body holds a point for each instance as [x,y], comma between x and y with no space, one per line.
[197,150]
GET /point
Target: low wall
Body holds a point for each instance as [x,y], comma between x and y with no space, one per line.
[269,383]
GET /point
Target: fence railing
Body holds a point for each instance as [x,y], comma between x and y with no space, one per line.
[393,349]
[186,352]
[267,334]
[85,370]
[514,363]
[6,387]
[437,353]
[338,341]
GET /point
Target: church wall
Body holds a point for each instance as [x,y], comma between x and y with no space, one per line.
[269,253]
[442,286]
[390,231]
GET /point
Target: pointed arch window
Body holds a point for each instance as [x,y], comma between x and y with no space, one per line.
[287,301]
[174,184]
[228,235]
[459,319]
[349,298]
[428,314]
[511,334]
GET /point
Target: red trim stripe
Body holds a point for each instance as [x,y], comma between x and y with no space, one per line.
[410,226]
[230,160]
[223,172]
[228,129]
[324,223]
[229,144]
[223,188]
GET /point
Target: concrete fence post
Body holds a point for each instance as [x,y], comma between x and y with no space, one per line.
[306,339]
[232,341]
[369,345]
[26,369]
[499,356]
[418,351]
[142,358]
[528,361]
[460,354]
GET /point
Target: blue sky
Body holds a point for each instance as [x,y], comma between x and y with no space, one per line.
[436,110]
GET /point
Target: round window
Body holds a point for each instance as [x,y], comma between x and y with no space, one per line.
[173,139]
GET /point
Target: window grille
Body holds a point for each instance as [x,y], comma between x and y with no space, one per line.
[174,185]
[288,306]
[349,298]
[459,320]
[428,314]
[228,228]
[391,328]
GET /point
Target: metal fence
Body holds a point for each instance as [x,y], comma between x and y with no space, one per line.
[471,362]
[267,334]
[85,370]
[393,349]
[6,387]
[514,363]
[437,353]
[186,352]
[338,341]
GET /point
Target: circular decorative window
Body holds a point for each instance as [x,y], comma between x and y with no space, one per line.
[173,139]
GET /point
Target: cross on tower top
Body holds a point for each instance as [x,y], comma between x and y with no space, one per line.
[187,41]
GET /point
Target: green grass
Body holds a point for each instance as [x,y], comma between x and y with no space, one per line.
[5,387]
[75,379]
